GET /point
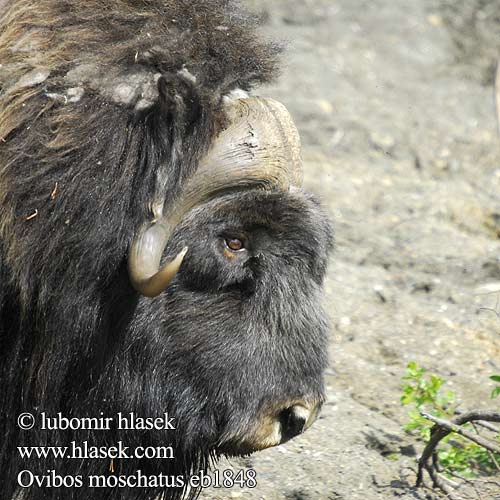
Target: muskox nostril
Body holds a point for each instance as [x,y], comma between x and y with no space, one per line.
[293,421]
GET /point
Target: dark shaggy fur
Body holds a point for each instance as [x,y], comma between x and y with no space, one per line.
[99,113]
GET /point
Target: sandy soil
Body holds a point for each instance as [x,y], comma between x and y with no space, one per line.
[394,102]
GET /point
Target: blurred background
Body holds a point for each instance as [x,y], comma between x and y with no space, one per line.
[394,100]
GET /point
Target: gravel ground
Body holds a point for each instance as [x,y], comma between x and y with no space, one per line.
[394,102]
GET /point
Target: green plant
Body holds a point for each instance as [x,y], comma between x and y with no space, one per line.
[496,390]
[424,392]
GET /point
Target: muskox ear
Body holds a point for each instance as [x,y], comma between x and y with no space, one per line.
[178,99]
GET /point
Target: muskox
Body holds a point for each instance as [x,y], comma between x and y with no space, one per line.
[157,252]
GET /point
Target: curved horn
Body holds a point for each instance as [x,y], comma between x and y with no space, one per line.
[260,148]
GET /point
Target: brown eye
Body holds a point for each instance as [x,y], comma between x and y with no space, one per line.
[234,244]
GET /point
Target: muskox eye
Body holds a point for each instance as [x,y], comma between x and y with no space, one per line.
[234,244]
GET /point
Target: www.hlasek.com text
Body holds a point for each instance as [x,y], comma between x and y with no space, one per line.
[84,450]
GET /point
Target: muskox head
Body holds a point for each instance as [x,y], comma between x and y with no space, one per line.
[235,319]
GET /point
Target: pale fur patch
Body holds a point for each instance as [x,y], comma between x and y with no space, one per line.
[34,77]
[234,95]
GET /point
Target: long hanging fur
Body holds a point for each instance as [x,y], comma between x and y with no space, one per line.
[85,159]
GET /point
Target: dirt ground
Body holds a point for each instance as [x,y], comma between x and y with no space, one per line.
[394,102]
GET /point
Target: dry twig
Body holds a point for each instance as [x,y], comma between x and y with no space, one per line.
[497,93]
[54,191]
[429,460]
[33,215]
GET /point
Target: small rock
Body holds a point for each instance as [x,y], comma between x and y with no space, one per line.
[435,20]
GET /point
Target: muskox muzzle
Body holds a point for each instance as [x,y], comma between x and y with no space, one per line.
[276,426]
